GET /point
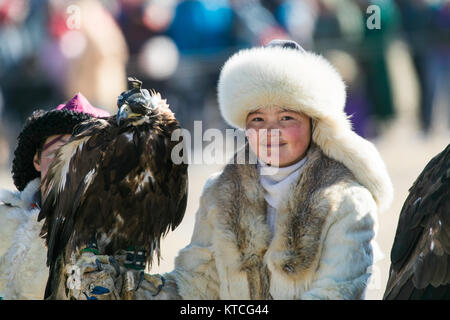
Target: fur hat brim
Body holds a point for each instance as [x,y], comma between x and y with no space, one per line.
[283,77]
[304,82]
[38,127]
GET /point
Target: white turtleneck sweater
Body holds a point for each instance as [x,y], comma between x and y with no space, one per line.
[276,183]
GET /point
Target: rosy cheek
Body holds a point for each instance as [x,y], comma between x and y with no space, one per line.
[293,133]
[298,139]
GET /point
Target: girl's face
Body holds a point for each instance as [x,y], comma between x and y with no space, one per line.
[278,136]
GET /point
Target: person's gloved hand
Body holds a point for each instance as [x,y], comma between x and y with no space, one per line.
[94,277]
[101,277]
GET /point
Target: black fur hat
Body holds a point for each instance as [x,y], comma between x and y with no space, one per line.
[38,127]
[42,124]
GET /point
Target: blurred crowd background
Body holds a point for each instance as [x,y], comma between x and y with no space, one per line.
[397,75]
[52,49]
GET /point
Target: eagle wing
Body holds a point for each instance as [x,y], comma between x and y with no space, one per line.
[67,180]
[119,184]
[140,194]
[420,255]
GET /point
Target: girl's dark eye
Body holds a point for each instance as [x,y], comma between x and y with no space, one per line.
[287,118]
[257,119]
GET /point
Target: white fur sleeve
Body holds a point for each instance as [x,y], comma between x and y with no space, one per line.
[195,272]
[11,218]
[347,251]
[23,272]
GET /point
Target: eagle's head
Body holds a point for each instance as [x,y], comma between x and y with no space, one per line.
[136,102]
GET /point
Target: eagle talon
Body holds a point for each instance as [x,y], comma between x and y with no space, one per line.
[99,265]
[88,297]
[160,286]
[115,264]
[141,278]
[156,282]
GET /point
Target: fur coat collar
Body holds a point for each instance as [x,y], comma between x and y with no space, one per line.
[21,199]
[242,239]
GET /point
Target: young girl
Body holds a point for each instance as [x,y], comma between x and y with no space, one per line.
[305,231]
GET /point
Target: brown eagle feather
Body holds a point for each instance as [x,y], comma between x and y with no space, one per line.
[420,255]
[116,182]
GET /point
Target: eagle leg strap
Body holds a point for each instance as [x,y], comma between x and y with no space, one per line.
[135,259]
[92,247]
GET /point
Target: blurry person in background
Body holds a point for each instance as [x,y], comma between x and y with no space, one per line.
[140,20]
[24,82]
[201,26]
[327,27]
[23,255]
[297,17]
[426,27]
[93,48]
[373,58]
[153,55]
[52,48]
[357,106]
[256,22]
[203,32]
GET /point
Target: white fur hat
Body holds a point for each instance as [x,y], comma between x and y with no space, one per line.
[283,74]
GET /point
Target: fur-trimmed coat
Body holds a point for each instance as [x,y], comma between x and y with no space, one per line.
[23,270]
[321,248]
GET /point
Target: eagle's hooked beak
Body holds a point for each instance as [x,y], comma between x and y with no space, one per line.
[125,112]
[122,113]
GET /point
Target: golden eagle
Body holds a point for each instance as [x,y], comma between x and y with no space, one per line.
[113,185]
[420,255]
